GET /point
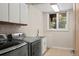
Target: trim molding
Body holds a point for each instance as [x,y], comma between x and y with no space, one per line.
[63,48]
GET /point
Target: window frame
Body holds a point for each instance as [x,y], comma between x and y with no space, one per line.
[57,19]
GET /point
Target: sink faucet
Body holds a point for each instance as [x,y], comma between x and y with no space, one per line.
[38,32]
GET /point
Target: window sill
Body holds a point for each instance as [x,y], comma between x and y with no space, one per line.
[59,30]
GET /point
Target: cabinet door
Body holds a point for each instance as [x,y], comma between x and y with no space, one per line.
[14,12]
[24,13]
[3,11]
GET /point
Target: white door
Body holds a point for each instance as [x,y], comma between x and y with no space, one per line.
[3,11]
[14,12]
[24,13]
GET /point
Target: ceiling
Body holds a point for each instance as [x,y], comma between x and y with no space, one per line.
[46,7]
[65,6]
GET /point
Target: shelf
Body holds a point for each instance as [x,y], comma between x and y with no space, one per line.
[10,23]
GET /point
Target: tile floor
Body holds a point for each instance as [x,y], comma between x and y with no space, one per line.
[58,52]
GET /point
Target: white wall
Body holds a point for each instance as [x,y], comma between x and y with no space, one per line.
[60,39]
[35,21]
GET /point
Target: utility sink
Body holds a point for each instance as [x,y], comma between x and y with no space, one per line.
[41,36]
[7,44]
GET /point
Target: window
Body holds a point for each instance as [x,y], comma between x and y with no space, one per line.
[58,21]
[52,21]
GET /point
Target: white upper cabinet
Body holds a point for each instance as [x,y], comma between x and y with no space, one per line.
[24,13]
[3,11]
[14,12]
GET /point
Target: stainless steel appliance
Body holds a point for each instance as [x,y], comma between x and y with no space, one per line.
[10,46]
[34,46]
[34,43]
[5,43]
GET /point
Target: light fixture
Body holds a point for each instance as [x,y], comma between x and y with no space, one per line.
[55,8]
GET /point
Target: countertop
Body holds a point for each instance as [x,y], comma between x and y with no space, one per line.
[32,39]
[12,48]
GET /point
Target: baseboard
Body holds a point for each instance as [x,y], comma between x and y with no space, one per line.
[63,48]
